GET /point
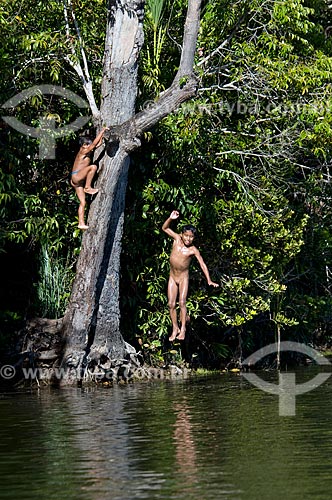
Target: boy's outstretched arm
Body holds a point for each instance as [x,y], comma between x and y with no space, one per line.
[166,226]
[97,140]
[204,269]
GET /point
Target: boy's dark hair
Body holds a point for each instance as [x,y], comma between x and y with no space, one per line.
[84,139]
[189,227]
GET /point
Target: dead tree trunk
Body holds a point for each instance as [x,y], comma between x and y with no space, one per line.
[91,324]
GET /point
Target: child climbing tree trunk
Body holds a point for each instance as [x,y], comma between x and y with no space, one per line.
[91,324]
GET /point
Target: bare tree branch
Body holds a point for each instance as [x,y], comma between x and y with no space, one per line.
[74,61]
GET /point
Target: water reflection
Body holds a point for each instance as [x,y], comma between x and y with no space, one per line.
[209,438]
[101,439]
[185,446]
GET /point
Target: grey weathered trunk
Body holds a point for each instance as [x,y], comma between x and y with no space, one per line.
[123,42]
[92,320]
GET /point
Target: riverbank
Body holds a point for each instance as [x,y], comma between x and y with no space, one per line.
[36,360]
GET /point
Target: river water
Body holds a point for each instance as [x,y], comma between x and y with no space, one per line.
[204,438]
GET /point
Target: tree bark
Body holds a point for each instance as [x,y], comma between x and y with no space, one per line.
[91,325]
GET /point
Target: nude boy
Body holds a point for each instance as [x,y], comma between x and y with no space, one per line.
[83,173]
[182,252]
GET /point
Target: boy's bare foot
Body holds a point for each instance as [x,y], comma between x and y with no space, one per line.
[91,190]
[174,334]
[181,336]
[83,226]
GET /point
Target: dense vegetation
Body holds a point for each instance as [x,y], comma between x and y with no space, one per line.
[247,162]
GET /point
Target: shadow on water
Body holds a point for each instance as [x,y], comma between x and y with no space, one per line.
[215,437]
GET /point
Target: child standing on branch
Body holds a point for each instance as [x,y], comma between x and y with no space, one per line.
[182,252]
[83,173]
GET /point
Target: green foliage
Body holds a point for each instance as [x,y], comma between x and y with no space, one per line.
[38,208]
[247,162]
[163,28]
[243,162]
[153,51]
[53,288]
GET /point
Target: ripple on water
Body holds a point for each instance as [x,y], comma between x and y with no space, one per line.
[208,438]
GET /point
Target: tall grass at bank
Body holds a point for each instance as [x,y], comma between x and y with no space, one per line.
[56,275]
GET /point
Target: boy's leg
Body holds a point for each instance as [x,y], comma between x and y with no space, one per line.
[183,292]
[172,293]
[84,178]
[91,173]
[81,196]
